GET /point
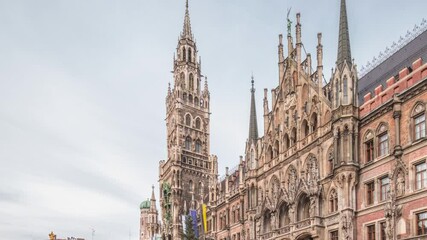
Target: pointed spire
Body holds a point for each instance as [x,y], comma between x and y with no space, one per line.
[153,198]
[253,126]
[344,51]
[186,31]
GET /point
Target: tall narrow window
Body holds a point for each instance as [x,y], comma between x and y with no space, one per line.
[191,82]
[345,90]
[385,188]
[383,144]
[336,93]
[420,126]
[198,123]
[198,146]
[188,143]
[422,223]
[370,189]
[371,232]
[369,150]
[189,55]
[184,58]
[421,175]
[188,120]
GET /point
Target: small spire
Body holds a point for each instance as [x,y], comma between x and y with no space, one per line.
[186,32]
[344,51]
[153,198]
[253,126]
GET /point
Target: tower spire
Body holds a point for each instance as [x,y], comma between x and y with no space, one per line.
[344,52]
[153,198]
[253,126]
[186,31]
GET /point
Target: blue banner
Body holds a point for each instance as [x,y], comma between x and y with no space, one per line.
[193,214]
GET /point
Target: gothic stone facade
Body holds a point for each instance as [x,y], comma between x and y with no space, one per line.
[326,167]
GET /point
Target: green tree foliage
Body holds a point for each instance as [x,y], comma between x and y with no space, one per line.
[188,233]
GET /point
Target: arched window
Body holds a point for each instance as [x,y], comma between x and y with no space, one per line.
[190,98]
[293,136]
[184,97]
[382,140]
[270,153]
[305,128]
[252,159]
[188,143]
[190,185]
[286,141]
[198,146]
[196,102]
[284,218]
[188,120]
[345,90]
[182,80]
[276,148]
[419,122]
[369,146]
[198,123]
[191,82]
[333,201]
[190,57]
[184,58]
[303,208]
[198,85]
[336,93]
[267,221]
[314,121]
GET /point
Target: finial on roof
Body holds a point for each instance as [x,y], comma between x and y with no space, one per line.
[152,193]
[344,51]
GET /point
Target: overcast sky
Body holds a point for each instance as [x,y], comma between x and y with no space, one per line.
[83,86]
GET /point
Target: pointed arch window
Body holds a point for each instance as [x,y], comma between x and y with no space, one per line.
[345,90]
[383,140]
[198,146]
[184,58]
[337,93]
[419,122]
[191,82]
[188,120]
[198,125]
[188,143]
[190,57]
[333,201]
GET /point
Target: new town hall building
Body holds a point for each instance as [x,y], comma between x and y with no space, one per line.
[342,160]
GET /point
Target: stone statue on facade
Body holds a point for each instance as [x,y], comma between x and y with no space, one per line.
[400,184]
[347,226]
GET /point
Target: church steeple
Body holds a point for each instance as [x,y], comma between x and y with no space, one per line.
[253,126]
[344,51]
[186,31]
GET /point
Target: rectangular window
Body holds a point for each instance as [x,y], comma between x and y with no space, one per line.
[369,145]
[420,126]
[421,175]
[370,189]
[422,223]
[383,144]
[371,232]
[382,231]
[333,235]
[385,188]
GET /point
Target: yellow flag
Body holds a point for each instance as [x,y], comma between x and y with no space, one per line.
[205,221]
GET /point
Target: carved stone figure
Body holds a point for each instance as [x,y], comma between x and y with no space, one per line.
[312,206]
[400,184]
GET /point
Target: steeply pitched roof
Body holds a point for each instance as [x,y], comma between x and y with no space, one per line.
[344,51]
